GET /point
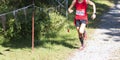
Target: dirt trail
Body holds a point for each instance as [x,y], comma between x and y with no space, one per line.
[106,39]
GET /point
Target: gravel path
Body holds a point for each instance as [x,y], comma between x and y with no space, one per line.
[106,39]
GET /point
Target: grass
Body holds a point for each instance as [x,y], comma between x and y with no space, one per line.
[58,48]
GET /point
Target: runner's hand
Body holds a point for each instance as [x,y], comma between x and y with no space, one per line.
[70,10]
[93,16]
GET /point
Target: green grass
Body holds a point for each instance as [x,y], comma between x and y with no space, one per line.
[55,48]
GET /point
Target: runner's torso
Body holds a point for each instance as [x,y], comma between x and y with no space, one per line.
[81,10]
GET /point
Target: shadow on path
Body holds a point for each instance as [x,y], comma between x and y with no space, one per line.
[111,22]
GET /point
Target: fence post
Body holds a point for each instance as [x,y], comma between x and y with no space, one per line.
[33,14]
[67,8]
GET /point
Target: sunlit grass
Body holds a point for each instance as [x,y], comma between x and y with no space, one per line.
[106,2]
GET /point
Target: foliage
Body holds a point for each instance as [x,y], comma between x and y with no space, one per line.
[9,5]
[47,25]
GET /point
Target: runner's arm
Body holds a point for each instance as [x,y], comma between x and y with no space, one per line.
[71,6]
[94,8]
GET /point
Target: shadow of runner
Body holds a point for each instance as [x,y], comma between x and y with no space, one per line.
[42,43]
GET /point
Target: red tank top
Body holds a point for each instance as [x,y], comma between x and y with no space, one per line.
[81,10]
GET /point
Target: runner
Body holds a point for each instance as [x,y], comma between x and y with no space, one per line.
[81,17]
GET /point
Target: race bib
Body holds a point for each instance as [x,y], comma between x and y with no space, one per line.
[81,13]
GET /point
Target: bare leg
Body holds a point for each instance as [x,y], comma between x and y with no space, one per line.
[81,31]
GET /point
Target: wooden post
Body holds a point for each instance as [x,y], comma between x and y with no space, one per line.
[33,14]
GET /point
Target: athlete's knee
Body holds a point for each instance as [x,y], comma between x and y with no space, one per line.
[81,31]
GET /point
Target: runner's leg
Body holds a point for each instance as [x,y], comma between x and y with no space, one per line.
[85,35]
[81,31]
